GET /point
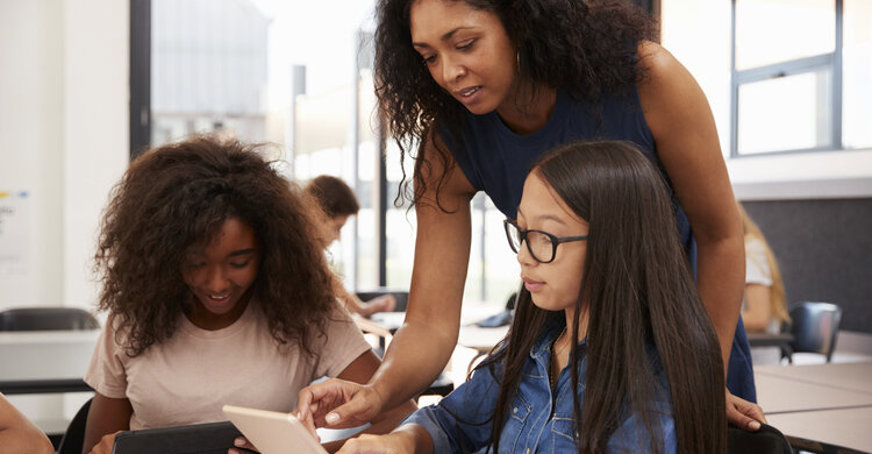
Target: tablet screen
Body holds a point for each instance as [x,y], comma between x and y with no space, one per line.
[273,432]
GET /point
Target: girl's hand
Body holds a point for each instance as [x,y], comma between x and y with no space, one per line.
[338,404]
[242,442]
[105,445]
[393,443]
[744,414]
[384,303]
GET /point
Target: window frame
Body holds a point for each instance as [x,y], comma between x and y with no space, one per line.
[831,62]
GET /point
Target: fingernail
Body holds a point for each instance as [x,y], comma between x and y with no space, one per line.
[332,417]
[238,442]
[754,425]
[232,451]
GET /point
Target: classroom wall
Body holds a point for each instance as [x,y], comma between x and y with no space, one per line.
[63,137]
[824,250]
[815,208]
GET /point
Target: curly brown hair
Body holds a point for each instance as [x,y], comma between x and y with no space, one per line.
[179,195]
[586,48]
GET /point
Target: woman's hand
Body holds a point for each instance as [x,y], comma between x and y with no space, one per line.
[744,414]
[383,303]
[105,445]
[338,404]
[393,443]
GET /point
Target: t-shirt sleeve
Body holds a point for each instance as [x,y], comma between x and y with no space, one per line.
[344,343]
[756,266]
[107,373]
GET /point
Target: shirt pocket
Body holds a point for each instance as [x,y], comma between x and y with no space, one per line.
[565,433]
[515,424]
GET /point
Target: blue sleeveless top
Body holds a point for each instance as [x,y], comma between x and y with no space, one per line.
[496,160]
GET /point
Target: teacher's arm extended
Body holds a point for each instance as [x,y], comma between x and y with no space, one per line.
[422,346]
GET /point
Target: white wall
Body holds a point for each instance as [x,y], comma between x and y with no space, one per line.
[63,136]
[698,34]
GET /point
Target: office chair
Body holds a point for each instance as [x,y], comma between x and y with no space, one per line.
[47,319]
[767,440]
[814,326]
[74,437]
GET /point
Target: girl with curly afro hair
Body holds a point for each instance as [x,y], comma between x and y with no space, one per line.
[475,91]
[217,293]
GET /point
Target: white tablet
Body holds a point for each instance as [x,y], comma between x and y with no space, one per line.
[273,432]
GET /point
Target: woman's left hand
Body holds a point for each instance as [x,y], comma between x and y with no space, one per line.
[241,442]
[744,414]
[393,443]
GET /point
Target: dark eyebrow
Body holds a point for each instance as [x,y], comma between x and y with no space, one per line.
[445,37]
[546,217]
[241,252]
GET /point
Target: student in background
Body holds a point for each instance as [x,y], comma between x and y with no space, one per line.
[611,349]
[338,203]
[217,293]
[18,435]
[765,305]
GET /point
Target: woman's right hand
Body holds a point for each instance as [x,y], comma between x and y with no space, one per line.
[338,404]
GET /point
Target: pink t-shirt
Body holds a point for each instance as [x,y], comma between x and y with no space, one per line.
[188,378]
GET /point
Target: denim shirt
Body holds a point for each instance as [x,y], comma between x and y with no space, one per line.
[539,422]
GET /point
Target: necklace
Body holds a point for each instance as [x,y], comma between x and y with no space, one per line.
[555,354]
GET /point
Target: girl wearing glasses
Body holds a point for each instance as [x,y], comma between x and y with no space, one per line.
[475,91]
[611,349]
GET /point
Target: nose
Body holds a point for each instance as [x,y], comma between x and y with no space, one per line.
[452,69]
[216,280]
[524,257]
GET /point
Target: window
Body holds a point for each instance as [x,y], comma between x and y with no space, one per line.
[799,75]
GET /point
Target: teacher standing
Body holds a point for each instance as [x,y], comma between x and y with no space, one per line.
[475,91]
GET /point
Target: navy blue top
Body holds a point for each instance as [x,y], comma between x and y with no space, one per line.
[496,160]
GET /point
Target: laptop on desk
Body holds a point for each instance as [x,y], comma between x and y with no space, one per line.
[210,438]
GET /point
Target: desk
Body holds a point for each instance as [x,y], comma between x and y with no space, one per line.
[848,376]
[45,361]
[784,395]
[782,340]
[848,427]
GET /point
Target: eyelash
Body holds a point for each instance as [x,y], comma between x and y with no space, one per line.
[429,60]
[240,265]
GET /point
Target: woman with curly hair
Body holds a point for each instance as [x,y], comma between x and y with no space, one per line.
[217,293]
[481,88]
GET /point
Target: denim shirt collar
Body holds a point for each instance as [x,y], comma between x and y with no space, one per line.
[553,329]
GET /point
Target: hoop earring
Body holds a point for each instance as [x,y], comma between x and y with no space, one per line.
[518,60]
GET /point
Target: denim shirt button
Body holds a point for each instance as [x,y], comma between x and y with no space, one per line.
[527,451]
[515,410]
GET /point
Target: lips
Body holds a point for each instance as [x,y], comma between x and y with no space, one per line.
[532,286]
[467,94]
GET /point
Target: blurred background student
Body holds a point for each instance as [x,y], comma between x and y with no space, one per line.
[339,203]
[765,306]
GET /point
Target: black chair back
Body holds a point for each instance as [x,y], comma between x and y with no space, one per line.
[74,437]
[47,319]
[815,327]
[767,440]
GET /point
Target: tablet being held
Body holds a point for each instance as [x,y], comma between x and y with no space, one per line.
[273,432]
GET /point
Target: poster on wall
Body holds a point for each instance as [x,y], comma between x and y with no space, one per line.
[14,217]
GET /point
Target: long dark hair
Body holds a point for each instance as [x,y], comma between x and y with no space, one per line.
[637,290]
[179,195]
[584,47]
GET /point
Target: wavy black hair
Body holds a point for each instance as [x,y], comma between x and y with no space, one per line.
[583,47]
[179,195]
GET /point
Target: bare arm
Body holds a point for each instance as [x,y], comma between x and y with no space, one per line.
[422,347]
[18,435]
[681,121]
[106,417]
[687,144]
[759,308]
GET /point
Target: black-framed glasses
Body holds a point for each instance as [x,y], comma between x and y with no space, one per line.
[542,245]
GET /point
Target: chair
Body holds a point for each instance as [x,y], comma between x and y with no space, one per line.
[47,319]
[767,440]
[815,326]
[74,436]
